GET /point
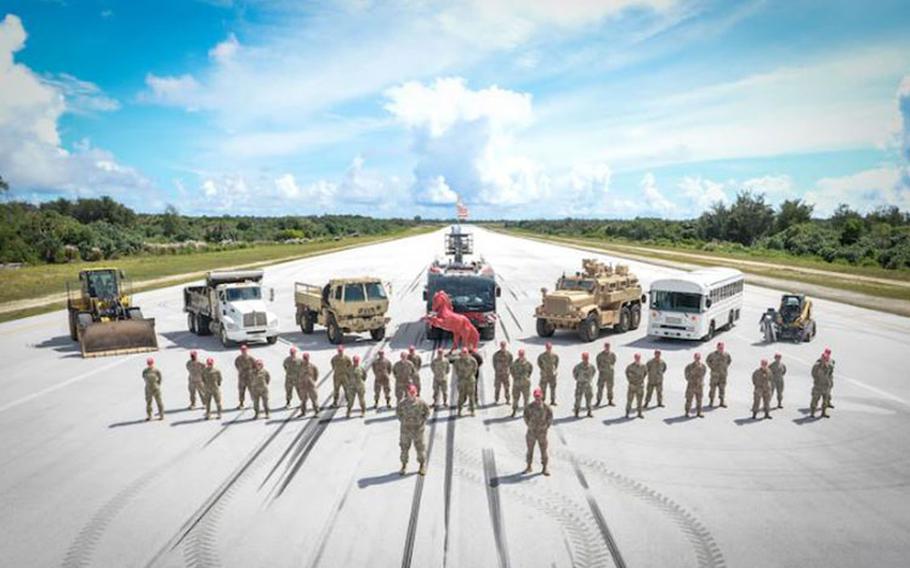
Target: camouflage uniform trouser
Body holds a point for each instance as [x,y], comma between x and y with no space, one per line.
[381,386]
[719,385]
[777,387]
[583,390]
[441,387]
[538,437]
[208,396]
[501,381]
[304,393]
[290,384]
[401,389]
[416,382]
[659,389]
[243,385]
[412,435]
[467,393]
[697,394]
[762,396]
[196,387]
[823,395]
[604,380]
[520,389]
[354,391]
[635,393]
[548,381]
[151,394]
[337,387]
[260,398]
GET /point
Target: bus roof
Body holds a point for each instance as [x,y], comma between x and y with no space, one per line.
[698,281]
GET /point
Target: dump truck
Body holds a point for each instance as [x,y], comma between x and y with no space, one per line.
[598,297]
[230,305]
[791,321]
[344,305]
[102,317]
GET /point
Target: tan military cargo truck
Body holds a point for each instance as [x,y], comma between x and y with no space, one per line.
[344,305]
[598,297]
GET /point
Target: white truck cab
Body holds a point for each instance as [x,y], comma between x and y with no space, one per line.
[231,305]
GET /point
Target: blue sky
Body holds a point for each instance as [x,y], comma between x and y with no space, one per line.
[523,109]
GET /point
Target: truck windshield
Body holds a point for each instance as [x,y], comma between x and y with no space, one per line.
[375,291]
[575,284]
[353,293]
[468,293]
[241,294]
[675,301]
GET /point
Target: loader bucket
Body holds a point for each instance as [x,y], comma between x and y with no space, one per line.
[118,337]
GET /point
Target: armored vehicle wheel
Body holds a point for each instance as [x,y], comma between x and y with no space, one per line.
[625,320]
[589,328]
[307,322]
[544,328]
[224,338]
[74,329]
[636,316]
[191,323]
[83,320]
[488,333]
[378,334]
[333,331]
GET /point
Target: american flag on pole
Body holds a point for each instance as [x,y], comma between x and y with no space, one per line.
[461,210]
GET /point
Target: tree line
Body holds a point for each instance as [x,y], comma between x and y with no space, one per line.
[878,238]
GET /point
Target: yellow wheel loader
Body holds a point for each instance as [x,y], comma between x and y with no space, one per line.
[102,317]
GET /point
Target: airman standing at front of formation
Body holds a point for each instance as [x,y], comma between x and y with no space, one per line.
[761,389]
[382,368]
[414,358]
[341,369]
[194,369]
[822,372]
[538,417]
[465,373]
[307,384]
[719,363]
[441,368]
[606,362]
[583,373]
[152,377]
[259,389]
[356,386]
[291,375]
[245,365]
[502,361]
[548,363]
[778,370]
[404,372]
[521,381]
[695,384]
[413,413]
[656,369]
[211,388]
[635,374]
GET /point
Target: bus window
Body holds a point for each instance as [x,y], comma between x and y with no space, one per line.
[676,301]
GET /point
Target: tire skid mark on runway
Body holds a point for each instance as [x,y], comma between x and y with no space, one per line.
[449,469]
[408,554]
[515,319]
[605,531]
[413,285]
[491,481]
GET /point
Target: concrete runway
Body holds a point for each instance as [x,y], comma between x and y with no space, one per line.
[84,481]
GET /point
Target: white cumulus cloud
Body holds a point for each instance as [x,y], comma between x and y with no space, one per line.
[655,200]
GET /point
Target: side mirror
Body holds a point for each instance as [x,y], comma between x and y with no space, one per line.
[271,294]
[644,299]
[543,291]
[498,291]
[708,303]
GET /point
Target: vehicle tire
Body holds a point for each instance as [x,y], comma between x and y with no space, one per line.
[272,339]
[625,320]
[333,331]
[711,332]
[83,320]
[730,320]
[204,325]
[378,334]
[636,316]
[589,328]
[307,322]
[545,328]
[225,342]
[134,314]
[74,330]
[191,324]
[488,333]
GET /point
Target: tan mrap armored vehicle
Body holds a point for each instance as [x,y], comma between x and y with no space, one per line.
[600,296]
[344,305]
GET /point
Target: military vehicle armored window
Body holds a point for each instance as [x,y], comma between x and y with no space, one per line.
[599,297]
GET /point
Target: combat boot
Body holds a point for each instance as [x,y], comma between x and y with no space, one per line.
[552,402]
[160,416]
[149,417]
[722,404]
[627,414]
[256,415]
[589,413]
[597,403]
[640,415]
[513,412]
[754,415]
[528,469]
[576,413]
[700,415]
[348,414]
[403,469]
[266,414]
[830,405]
[207,417]
[545,470]
[422,470]
[711,402]
[768,415]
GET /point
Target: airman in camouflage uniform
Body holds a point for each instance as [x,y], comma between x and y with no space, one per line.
[656,369]
[830,374]
[822,373]
[194,369]
[307,385]
[465,368]
[761,389]
[778,370]
[211,387]
[245,365]
[695,384]
[404,372]
[382,368]
[291,374]
[548,363]
[341,369]
[478,358]
[583,374]
[606,362]
[413,413]
[635,374]
[152,378]
[259,389]
[355,387]
[502,360]
[538,417]
[414,358]
[440,367]
[521,380]
[719,363]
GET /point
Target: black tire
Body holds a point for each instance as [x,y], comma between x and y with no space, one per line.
[333,332]
[589,328]
[83,320]
[225,342]
[711,332]
[636,316]
[730,320]
[378,334]
[191,323]
[307,322]
[204,326]
[272,339]
[433,333]
[74,330]
[545,328]
[625,320]
[488,333]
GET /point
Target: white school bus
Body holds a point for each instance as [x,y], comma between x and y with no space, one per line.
[695,305]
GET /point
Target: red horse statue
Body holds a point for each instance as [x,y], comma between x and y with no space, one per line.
[464,334]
